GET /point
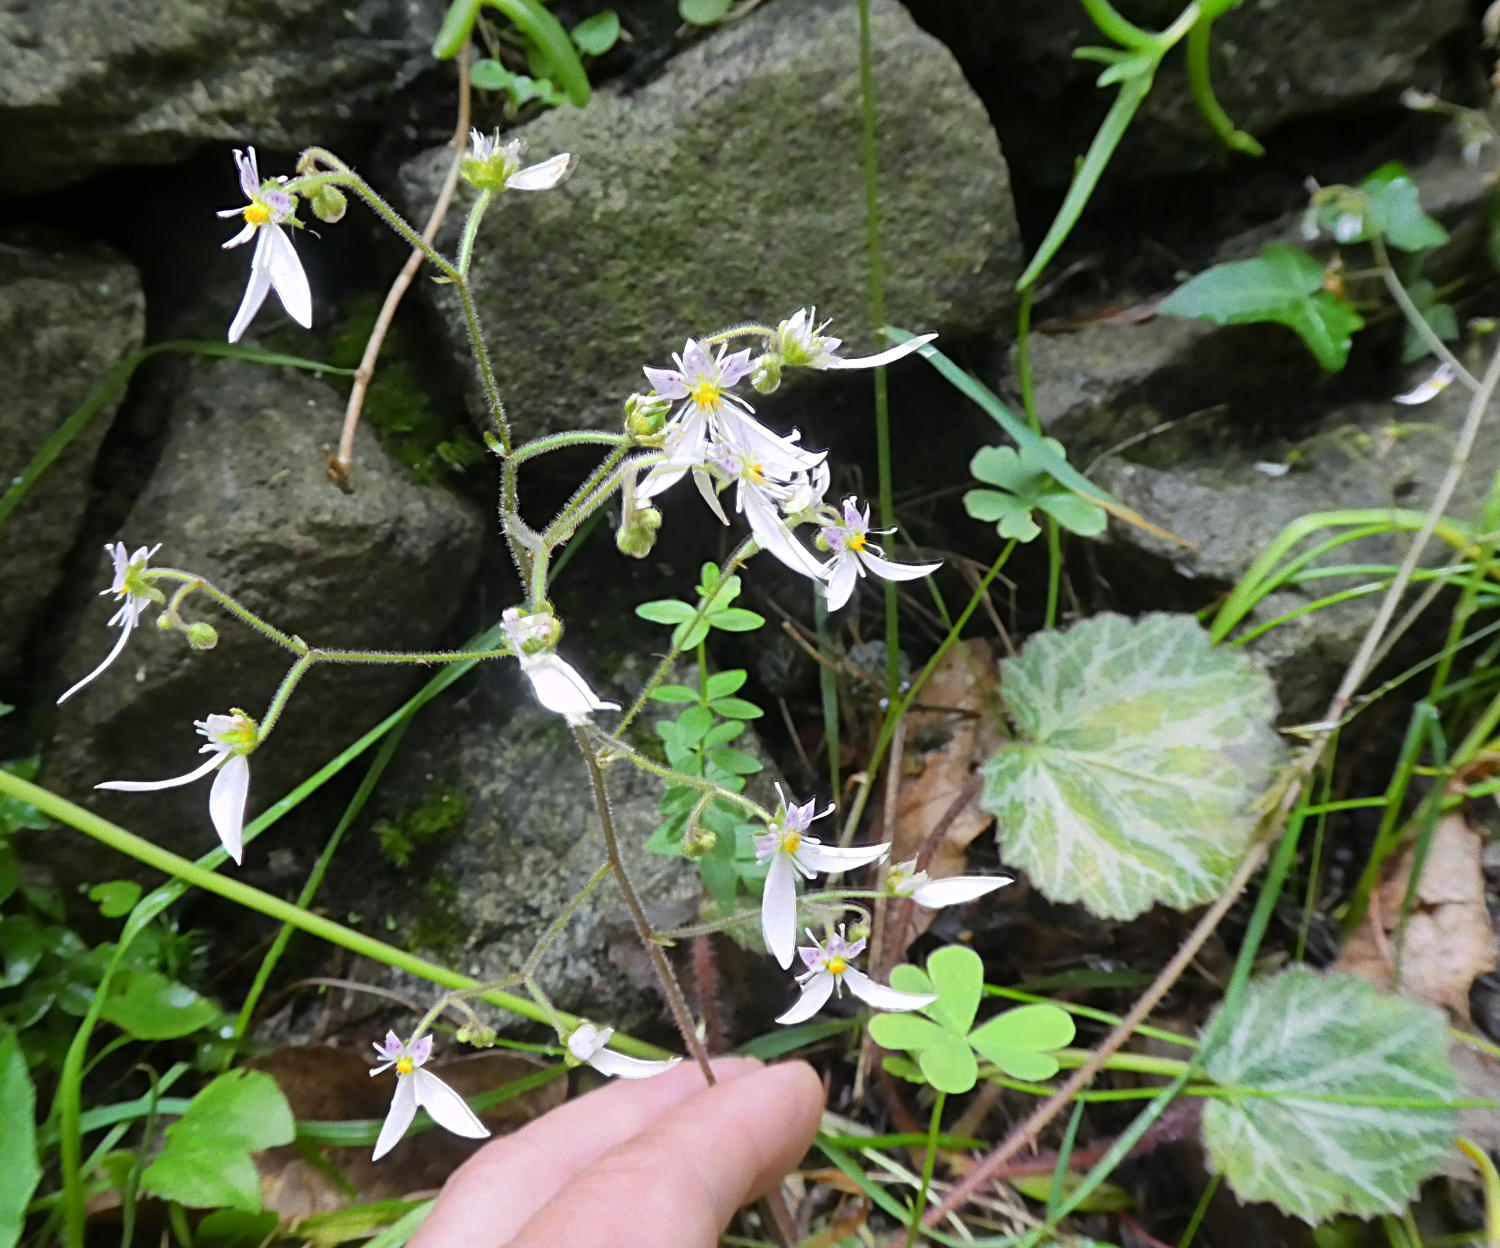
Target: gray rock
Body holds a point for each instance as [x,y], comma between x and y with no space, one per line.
[731,188]
[93,84]
[1375,456]
[240,496]
[69,312]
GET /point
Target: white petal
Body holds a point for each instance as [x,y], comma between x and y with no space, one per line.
[447,1108]
[831,860]
[256,290]
[778,909]
[815,994]
[127,620]
[540,177]
[150,786]
[881,997]
[1429,389]
[587,1040]
[888,356]
[226,804]
[403,1110]
[841,572]
[956,890]
[288,277]
[560,688]
[244,236]
[774,536]
[621,1066]
[896,571]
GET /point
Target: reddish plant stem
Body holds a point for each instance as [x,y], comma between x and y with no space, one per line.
[706,980]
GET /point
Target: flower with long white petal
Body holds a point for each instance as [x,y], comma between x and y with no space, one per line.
[274,264]
[801,344]
[828,968]
[495,166]
[1425,391]
[230,738]
[761,490]
[904,880]
[557,684]
[419,1089]
[127,583]
[791,852]
[848,537]
[588,1043]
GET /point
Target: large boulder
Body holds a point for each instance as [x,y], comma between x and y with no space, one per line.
[239,496]
[93,84]
[731,187]
[69,313]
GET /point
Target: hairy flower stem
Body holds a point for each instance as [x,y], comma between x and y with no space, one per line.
[671,989]
[610,749]
[193,584]
[471,230]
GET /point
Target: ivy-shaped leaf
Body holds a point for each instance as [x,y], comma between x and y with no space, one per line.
[1282,285]
[1015,1041]
[1140,749]
[1395,209]
[1026,485]
[1330,1058]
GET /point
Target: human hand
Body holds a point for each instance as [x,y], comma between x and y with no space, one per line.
[655,1163]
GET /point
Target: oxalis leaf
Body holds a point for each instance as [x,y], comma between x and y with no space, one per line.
[1303,1036]
[1140,749]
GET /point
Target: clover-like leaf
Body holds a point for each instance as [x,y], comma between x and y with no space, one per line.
[943,1055]
[1026,484]
[1139,753]
[1017,1042]
[1330,1060]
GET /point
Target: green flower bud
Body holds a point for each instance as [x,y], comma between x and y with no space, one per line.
[328,204]
[637,532]
[480,1036]
[645,417]
[765,376]
[698,841]
[202,636]
[860,931]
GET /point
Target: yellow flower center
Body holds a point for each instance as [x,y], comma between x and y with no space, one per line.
[836,965]
[756,473]
[257,213]
[706,393]
[856,542]
[405,1065]
[790,842]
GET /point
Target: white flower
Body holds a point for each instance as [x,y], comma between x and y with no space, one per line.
[904,880]
[792,853]
[274,265]
[854,554]
[496,166]
[419,1089]
[761,491]
[557,684]
[126,584]
[828,968]
[800,345]
[588,1044]
[230,738]
[1426,391]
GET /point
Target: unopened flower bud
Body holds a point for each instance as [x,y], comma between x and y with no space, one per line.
[698,842]
[860,931]
[645,417]
[765,373]
[165,622]
[477,1034]
[637,532]
[328,204]
[202,636]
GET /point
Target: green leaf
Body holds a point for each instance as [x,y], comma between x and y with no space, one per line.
[991,505]
[1077,515]
[1301,1036]
[490,75]
[944,1057]
[722,684]
[1395,209]
[703,12]
[736,708]
[1018,1040]
[115,897]
[234,1228]
[20,1173]
[736,762]
[340,1226]
[206,1161]
[736,620]
[666,611]
[723,734]
[23,941]
[1105,1198]
[693,724]
[1283,286]
[956,974]
[686,636]
[150,1006]
[674,693]
[1139,753]
[1028,483]
[598,34]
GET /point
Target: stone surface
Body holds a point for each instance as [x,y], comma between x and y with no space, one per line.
[69,312]
[239,496]
[93,84]
[731,188]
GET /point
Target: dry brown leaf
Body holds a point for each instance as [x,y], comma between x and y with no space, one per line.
[1449,941]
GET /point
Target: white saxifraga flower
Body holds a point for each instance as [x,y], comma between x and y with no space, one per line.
[496,166]
[1426,391]
[589,1044]
[230,739]
[904,880]
[800,344]
[828,967]
[761,492]
[854,554]
[126,584]
[419,1089]
[274,264]
[791,853]
[557,684]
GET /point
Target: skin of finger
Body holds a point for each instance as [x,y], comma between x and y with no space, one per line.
[678,1182]
[493,1194]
